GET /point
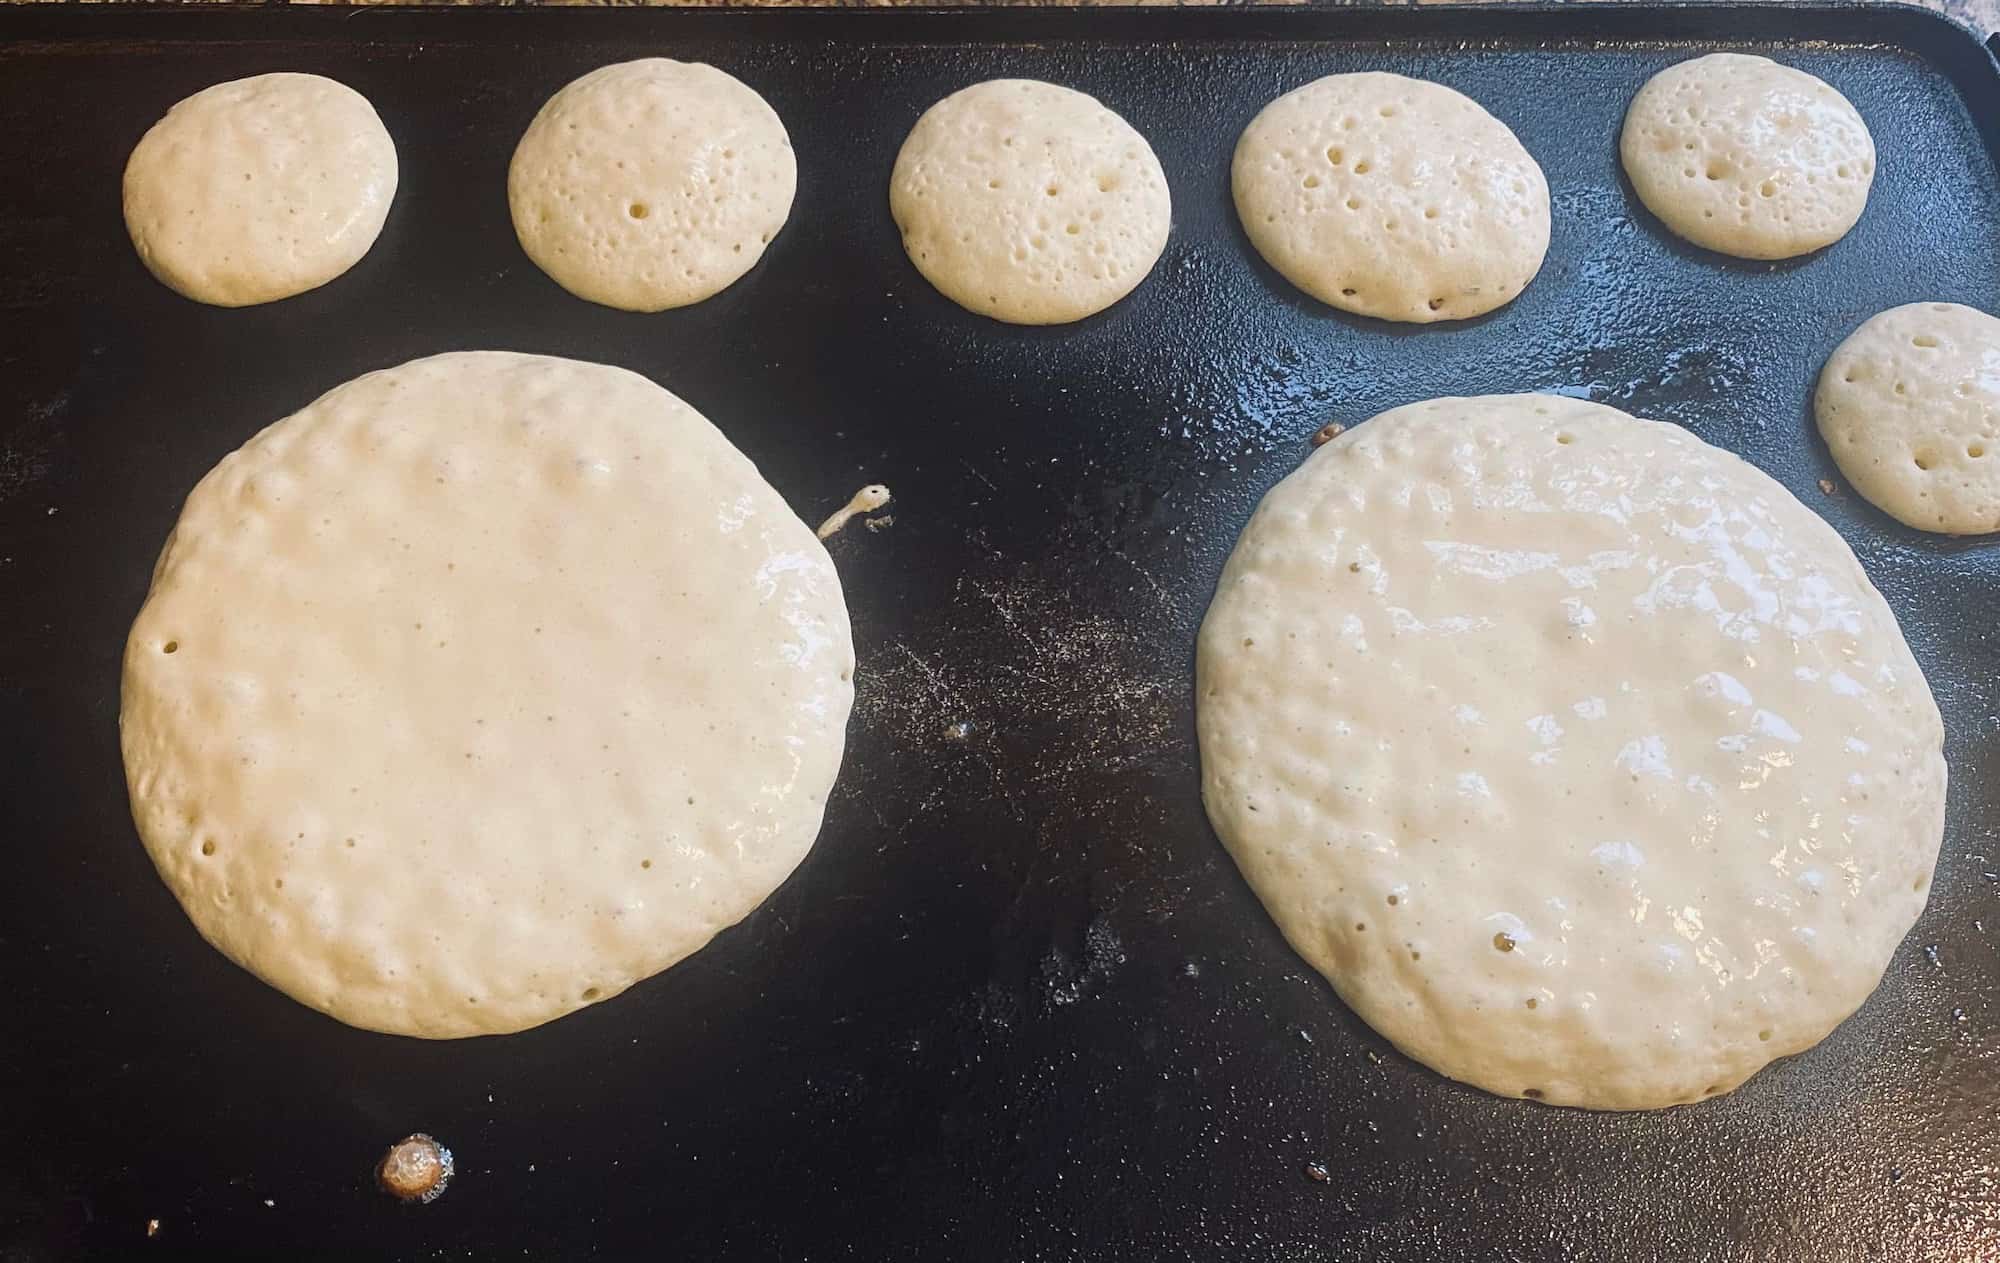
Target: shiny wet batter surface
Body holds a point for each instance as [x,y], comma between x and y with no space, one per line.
[1579,755]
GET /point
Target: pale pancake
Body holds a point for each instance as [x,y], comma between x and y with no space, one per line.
[259,189]
[1392,197]
[1028,202]
[651,184]
[1748,157]
[1909,405]
[479,690]
[1579,755]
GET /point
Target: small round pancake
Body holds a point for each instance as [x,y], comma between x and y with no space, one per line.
[1028,202]
[1747,157]
[1392,197]
[1579,755]
[479,690]
[651,184]
[1909,405]
[259,189]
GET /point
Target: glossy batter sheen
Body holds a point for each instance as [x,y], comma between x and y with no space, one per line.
[1748,157]
[1392,197]
[1580,757]
[260,188]
[480,689]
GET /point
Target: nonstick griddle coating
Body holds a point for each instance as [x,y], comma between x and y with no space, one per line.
[1017,1003]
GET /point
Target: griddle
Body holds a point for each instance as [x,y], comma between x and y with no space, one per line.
[1017,1004]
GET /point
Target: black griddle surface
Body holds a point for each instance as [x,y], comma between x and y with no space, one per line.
[1017,1004]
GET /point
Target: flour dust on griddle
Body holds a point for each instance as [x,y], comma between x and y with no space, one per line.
[1028,659]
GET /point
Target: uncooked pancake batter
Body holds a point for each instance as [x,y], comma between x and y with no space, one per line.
[479,690]
[1580,757]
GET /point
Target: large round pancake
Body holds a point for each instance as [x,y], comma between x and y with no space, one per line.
[480,689]
[1580,757]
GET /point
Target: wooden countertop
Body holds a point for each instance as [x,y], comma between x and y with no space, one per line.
[1981,15]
